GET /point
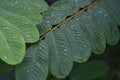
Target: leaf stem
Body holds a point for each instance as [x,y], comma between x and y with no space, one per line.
[69,18]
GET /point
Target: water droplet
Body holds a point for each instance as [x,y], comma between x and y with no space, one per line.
[40,48]
[27,71]
[65,54]
[27,36]
[16,2]
[5,57]
[12,4]
[43,70]
[14,37]
[65,50]
[77,19]
[28,65]
[43,57]
[13,15]
[24,7]
[29,8]
[77,57]
[64,60]
[18,17]
[74,34]
[76,40]
[37,64]
[84,46]
[2,4]
[72,27]
[100,11]
[12,31]
[78,32]
[78,35]
[25,1]
[76,0]
[48,21]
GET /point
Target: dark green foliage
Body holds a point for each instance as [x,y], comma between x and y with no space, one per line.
[83,34]
[35,63]
[70,30]
[90,70]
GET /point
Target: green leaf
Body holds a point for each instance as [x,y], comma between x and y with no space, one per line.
[89,71]
[41,5]
[35,64]
[20,24]
[25,8]
[80,35]
[60,56]
[18,20]
[23,15]
[12,47]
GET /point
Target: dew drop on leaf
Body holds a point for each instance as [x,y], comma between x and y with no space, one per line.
[78,35]
[64,60]
[27,71]
[77,19]
[12,4]
[14,37]
[16,2]
[43,70]
[24,7]
[29,8]
[76,40]
[25,1]
[84,46]
[5,57]
[71,27]
[42,57]
[48,21]
[78,32]
[65,50]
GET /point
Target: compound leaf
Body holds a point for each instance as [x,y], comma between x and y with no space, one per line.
[18,20]
[73,37]
[35,63]
[12,48]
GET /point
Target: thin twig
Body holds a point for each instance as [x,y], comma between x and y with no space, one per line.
[69,18]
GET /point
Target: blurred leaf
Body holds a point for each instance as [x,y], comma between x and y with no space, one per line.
[90,70]
[9,75]
[5,67]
